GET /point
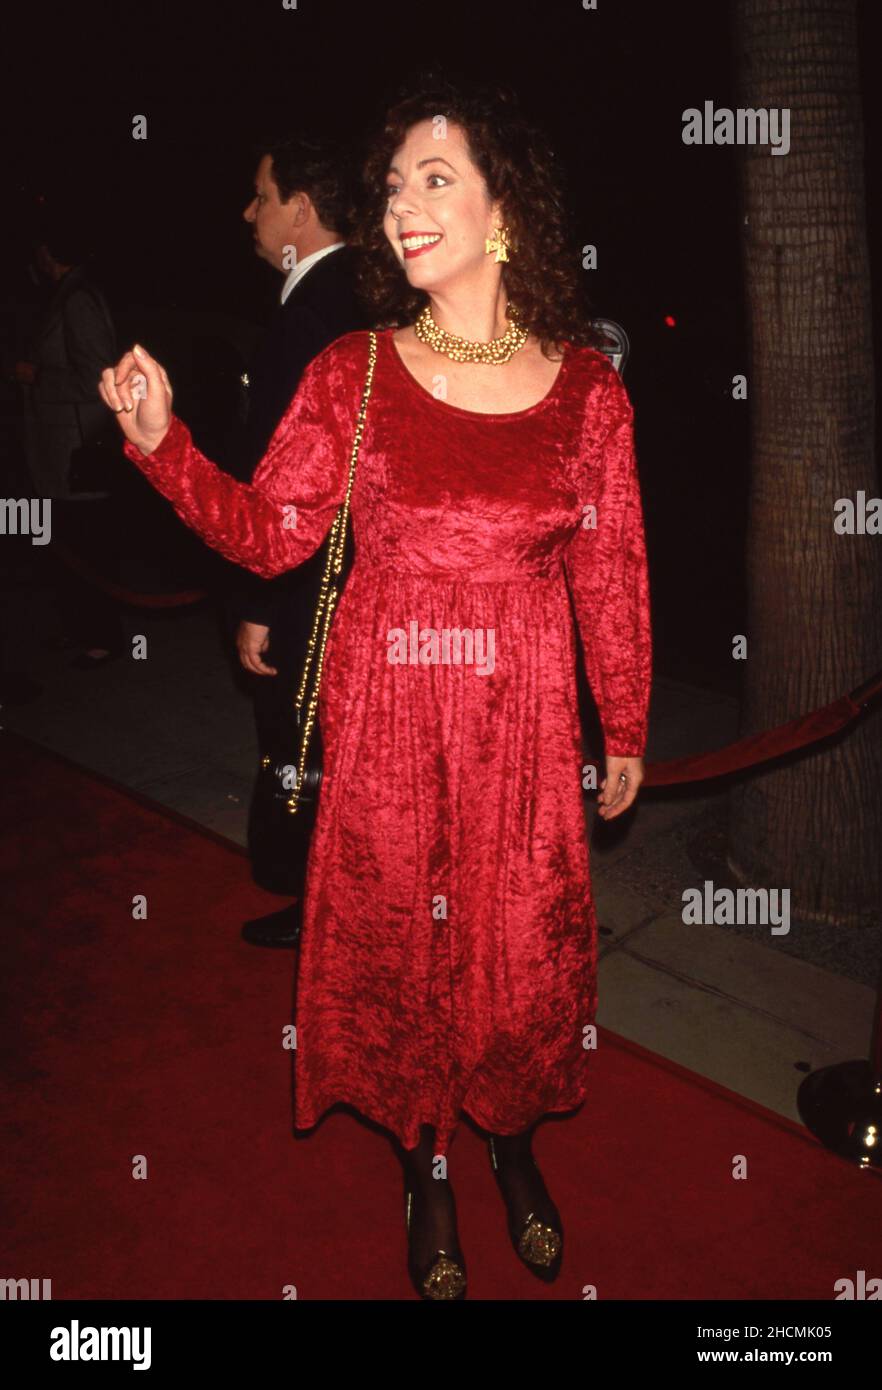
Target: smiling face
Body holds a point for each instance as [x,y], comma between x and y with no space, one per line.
[438,215]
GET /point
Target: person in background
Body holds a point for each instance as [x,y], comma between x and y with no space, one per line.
[73,341]
[299,216]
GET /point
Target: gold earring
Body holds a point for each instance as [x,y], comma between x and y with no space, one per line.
[499,243]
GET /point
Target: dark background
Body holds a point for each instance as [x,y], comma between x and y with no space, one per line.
[175,257]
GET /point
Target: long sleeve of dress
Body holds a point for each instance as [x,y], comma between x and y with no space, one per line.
[607,571]
[281,518]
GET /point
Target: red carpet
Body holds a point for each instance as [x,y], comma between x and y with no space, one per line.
[163,1038]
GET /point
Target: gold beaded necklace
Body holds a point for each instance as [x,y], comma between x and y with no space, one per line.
[497,351]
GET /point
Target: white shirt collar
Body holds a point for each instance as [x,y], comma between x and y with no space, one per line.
[303,266]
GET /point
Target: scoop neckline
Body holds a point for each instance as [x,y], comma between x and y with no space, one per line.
[480,414]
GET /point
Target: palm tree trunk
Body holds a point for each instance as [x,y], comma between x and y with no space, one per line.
[814,823]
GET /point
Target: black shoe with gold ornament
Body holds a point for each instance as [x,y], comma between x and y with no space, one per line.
[443,1277]
[537,1243]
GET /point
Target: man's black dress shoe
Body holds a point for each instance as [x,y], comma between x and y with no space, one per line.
[280,928]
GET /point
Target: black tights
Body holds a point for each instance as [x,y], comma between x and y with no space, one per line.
[522,1184]
[434,1213]
[434,1218]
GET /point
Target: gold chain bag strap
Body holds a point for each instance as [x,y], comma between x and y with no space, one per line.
[328,595]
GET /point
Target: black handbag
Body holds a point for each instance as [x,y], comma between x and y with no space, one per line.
[286,793]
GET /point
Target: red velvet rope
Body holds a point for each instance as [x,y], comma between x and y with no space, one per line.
[758,748]
[127,596]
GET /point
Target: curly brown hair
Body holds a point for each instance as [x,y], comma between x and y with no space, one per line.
[519,168]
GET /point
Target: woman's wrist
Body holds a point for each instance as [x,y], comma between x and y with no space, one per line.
[148,448]
[154,441]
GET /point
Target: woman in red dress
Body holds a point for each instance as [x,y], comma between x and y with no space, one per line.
[448,957]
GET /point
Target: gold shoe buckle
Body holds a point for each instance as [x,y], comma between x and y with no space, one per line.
[540,1244]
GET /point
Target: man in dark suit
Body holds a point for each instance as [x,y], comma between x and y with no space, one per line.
[300,215]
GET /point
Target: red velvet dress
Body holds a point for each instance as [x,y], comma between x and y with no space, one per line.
[449,949]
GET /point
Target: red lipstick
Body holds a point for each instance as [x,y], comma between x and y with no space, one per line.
[409,253]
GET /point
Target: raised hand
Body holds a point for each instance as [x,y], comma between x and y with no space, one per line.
[139,392]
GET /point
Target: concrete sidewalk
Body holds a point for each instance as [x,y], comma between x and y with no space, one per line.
[753,1011]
